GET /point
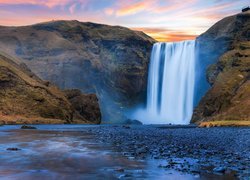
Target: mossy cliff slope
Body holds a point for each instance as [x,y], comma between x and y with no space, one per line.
[24,98]
[110,61]
[229,77]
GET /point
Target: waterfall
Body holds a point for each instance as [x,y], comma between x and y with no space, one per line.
[171,81]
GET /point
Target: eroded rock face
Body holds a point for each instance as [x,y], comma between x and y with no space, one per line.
[86,106]
[23,95]
[110,61]
[225,50]
[26,99]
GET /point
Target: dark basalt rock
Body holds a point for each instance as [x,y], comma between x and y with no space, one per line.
[126,126]
[85,105]
[219,169]
[13,149]
[189,150]
[28,127]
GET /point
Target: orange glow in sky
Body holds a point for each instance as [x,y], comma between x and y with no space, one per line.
[164,20]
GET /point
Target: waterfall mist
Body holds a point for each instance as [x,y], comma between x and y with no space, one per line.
[171,84]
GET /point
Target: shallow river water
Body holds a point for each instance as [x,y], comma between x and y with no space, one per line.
[73,152]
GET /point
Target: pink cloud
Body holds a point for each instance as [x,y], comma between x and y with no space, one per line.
[72,8]
[48,3]
[163,34]
[174,6]
[133,8]
[212,10]
[109,11]
[164,17]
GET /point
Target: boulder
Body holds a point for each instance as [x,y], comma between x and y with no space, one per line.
[85,105]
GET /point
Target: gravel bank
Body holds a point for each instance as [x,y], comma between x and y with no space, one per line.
[193,150]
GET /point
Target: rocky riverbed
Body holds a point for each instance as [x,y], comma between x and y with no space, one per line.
[224,151]
[124,152]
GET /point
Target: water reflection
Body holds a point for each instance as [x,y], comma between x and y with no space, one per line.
[70,152]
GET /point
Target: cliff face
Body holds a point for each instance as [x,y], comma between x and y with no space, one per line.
[24,98]
[108,60]
[225,50]
[86,106]
[112,62]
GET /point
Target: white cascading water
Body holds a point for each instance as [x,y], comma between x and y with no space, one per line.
[171,82]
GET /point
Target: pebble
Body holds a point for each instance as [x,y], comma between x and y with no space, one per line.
[203,146]
[219,169]
[13,149]
[28,127]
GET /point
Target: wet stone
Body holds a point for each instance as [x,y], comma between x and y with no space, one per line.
[13,149]
[219,169]
[28,127]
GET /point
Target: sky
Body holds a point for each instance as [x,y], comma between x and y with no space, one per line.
[164,20]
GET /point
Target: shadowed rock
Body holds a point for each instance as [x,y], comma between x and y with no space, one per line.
[13,149]
[28,127]
[110,61]
[86,106]
[225,50]
[26,99]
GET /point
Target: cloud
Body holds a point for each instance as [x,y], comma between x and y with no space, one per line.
[109,11]
[167,35]
[161,19]
[48,3]
[151,6]
[72,8]
[151,30]
[133,8]
[175,6]
[211,10]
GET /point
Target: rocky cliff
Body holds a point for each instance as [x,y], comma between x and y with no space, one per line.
[86,106]
[110,61]
[24,98]
[225,50]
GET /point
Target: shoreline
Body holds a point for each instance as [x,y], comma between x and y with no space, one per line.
[45,121]
[229,123]
[217,153]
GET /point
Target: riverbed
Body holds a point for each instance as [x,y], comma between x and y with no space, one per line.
[124,152]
